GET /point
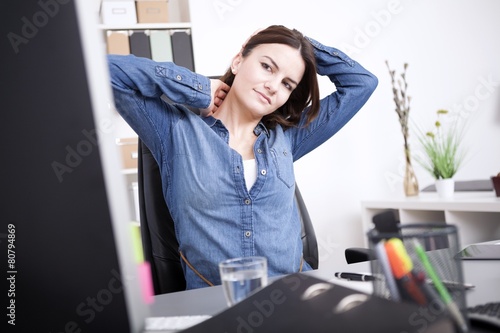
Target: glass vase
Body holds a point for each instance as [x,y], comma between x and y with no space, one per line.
[410,181]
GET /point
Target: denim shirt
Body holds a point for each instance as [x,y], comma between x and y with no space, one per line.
[215,216]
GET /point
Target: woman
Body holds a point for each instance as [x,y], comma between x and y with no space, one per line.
[228,174]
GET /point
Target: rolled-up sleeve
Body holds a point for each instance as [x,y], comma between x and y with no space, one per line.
[139,89]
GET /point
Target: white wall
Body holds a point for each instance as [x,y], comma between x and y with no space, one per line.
[453,51]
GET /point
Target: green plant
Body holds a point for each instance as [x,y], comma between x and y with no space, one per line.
[443,156]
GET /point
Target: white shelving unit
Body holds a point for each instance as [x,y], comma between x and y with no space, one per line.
[476,214]
[131,171]
[148,26]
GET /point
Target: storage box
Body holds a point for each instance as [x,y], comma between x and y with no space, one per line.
[496,184]
[128,149]
[118,42]
[152,11]
[118,12]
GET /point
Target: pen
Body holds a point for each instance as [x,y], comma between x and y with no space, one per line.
[428,291]
[354,276]
[441,289]
[386,268]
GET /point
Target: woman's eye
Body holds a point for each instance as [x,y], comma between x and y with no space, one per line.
[287,85]
[265,66]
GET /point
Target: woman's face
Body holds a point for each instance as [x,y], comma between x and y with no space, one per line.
[266,77]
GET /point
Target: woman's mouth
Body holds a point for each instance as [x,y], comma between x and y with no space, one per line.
[264,97]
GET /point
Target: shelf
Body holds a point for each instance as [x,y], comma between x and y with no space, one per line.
[461,201]
[131,171]
[148,26]
[476,214]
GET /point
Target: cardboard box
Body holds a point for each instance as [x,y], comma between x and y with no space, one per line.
[128,150]
[152,11]
[118,12]
[117,42]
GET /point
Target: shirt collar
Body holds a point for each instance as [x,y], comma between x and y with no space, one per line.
[260,128]
[211,121]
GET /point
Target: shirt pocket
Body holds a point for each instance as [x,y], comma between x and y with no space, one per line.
[283,162]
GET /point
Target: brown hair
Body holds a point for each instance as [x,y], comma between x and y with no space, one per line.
[306,92]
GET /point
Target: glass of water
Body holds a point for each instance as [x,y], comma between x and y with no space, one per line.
[242,276]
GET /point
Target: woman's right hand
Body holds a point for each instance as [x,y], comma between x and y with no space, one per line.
[219,91]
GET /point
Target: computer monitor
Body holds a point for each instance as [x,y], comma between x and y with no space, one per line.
[65,239]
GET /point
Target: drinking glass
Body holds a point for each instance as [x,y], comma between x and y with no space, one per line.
[242,277]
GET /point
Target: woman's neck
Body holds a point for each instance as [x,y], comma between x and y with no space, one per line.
[240,126]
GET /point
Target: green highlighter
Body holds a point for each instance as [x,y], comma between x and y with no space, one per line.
[135,231]
[441,289]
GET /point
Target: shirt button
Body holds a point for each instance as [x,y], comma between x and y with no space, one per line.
[247,201]
[263,172]
[248,233]
[178,77]
[285,153]
[259,151]
[200,87]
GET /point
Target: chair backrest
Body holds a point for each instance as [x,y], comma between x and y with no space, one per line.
[309,242]
[158,234]
[161,248]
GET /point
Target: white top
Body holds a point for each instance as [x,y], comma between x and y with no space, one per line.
[250,170]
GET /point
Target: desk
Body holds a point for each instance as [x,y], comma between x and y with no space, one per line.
[484,274]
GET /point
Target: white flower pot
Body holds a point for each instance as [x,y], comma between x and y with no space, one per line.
[445,187]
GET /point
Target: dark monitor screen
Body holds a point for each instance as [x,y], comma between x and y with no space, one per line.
[64,234]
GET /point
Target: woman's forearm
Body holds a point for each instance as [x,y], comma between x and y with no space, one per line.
[149,79]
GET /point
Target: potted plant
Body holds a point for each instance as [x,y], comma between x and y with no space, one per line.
[443,154]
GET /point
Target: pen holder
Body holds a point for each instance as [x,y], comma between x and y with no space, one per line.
[420,264]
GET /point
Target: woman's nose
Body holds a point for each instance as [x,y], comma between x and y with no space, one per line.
[271,85]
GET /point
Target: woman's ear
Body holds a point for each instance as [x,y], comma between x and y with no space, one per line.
[235,64]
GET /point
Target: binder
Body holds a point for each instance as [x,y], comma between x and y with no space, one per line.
[139,44]
[302,303]
[182,49]
[117,42]
[161,45]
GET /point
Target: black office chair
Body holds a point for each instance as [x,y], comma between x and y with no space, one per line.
[158,234]
[386,222]
[161,248]
[309,242]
